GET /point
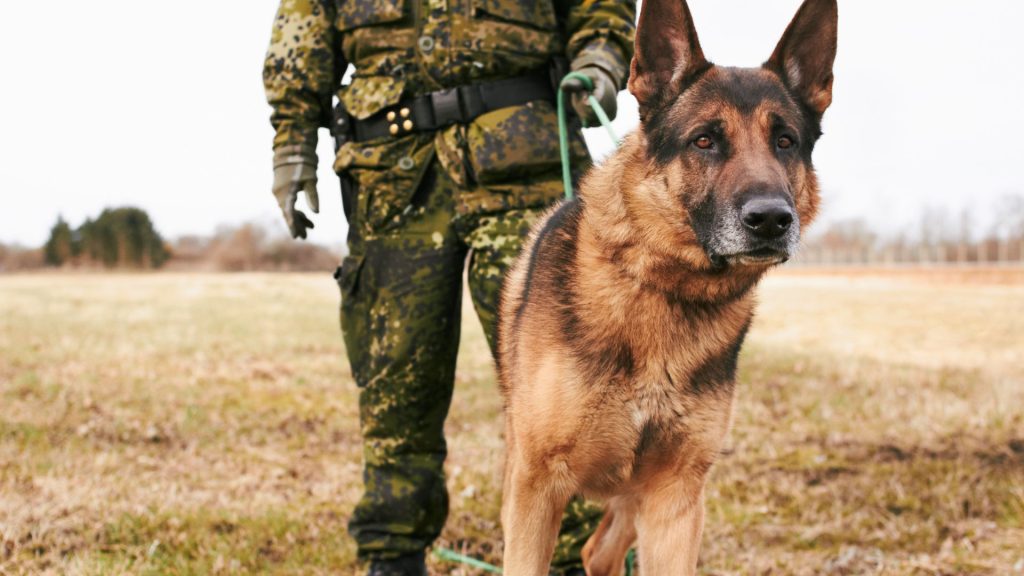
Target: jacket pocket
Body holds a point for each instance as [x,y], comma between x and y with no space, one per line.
[516,142]
[531,13]
[387,173]
[358,13]
[367,95]
[353,313]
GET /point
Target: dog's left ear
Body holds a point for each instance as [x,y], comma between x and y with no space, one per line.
[806,53]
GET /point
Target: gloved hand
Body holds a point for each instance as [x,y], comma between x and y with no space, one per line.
[295,171]
[605,90]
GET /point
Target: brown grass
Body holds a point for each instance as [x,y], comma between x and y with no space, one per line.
[193,424]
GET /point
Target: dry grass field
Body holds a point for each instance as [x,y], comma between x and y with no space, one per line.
[206,424]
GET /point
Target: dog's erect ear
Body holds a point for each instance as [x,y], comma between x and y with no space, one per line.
[807,51]
[667,52]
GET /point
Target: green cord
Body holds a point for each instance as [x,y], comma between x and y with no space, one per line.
[605,121]
[445,554]
[563,135]
[563,126]
[450,556]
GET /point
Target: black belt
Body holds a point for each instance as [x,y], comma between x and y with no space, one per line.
[460,105]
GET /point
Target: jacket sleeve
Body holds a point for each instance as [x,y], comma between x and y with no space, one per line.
[302,70]
[600,33]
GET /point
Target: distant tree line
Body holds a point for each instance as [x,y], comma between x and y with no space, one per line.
[14,257]
[118,238]
[250,247]
[124,238]
[937,238]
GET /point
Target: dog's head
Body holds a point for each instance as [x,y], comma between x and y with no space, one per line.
[733,146]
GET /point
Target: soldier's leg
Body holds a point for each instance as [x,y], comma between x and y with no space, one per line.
[400,318]
[495,242]
[579,522]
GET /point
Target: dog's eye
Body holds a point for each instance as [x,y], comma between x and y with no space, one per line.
[704,142]
[785,142]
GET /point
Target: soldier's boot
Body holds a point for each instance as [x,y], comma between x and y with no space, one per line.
[411,565]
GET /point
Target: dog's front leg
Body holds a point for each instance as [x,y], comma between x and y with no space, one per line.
[669,528]
[531,511]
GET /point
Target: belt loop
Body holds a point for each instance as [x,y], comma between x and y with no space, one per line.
[447,109]
[423,113]
[472,100]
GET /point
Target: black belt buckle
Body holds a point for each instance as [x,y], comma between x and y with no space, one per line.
[447,110]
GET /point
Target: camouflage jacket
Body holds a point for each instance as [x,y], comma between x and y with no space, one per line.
[410,47]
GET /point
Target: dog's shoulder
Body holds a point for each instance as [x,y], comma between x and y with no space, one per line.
[548,257]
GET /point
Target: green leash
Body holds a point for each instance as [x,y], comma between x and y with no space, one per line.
[563,126]
[450,556]
[563,142]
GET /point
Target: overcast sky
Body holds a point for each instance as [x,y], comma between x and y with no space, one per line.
[160,105]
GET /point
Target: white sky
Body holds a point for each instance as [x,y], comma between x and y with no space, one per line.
[160,105]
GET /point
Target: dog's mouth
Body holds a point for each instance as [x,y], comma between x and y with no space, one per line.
[765,256]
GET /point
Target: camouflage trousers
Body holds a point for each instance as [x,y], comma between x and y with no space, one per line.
[400,315]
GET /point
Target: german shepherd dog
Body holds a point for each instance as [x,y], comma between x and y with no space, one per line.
[621,322]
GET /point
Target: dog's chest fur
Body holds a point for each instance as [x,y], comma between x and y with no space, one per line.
[676,349]
[682,381]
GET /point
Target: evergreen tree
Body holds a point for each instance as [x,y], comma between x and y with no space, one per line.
[59,248]
[123,237]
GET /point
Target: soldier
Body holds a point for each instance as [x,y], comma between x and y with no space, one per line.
[447,146]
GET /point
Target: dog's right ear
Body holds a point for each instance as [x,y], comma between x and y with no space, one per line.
[667,53]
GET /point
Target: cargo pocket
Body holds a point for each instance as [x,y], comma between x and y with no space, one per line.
[386,174]
[347,275]
[530,13]
[354,316]
[509,144]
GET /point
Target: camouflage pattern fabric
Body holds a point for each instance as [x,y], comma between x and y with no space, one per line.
[410,47]
[400,314]
[579,522]
[302,71]
[420,203]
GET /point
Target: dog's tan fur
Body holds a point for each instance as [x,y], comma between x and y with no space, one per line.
[619,332]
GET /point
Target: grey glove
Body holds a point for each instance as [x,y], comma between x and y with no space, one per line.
[295,171]
[606,90]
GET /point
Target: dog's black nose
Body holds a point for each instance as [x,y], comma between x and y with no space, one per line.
[767,218]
